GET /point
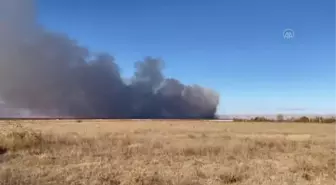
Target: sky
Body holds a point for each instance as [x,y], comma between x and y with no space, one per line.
[234,47]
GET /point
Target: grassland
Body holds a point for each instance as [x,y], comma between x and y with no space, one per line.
[106,152]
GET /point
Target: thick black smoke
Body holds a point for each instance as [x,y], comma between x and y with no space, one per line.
[45,71]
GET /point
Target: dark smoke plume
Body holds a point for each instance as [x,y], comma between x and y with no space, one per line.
[48,72]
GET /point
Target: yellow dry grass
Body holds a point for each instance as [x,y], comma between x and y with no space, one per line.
[105,152]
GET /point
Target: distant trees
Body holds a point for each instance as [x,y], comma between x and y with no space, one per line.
[329,120]
[317,119]
[303,119]
[281,118]
[261,119]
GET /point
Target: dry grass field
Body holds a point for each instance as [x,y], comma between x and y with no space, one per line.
[102,152]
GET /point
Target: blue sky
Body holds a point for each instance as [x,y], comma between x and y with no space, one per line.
[235,47]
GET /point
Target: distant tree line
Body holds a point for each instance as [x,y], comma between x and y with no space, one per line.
[281,118]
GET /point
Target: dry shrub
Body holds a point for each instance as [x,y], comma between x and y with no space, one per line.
[189,181]
[231,177]
[310,168]
[94,175]
[141,177]
[15,177]
[308,165]
[246,147]
[20,139]
[271,145]
[191,136]
[207,150]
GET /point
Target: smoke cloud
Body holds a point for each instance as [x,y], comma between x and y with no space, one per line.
[49,72]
